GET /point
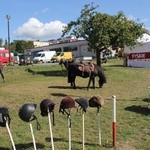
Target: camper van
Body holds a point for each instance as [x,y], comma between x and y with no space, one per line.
[43,57]
[61,55]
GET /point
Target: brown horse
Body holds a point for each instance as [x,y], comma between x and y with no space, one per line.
[84,70]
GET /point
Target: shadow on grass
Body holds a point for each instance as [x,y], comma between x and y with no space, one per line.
[58,94]
[47,139]
[63,95]
[146,100]
[29,145]
[66,87]
[67,141]
[47,73]
[3,148]
[139,109]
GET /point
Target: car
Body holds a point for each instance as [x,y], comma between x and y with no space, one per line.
[83,58]
[26,59]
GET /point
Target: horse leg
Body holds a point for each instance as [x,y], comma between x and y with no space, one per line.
[73,82]
[74,85]
[90,79]
[100,84]
[93,80]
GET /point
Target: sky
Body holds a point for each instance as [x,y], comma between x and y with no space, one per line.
[44,19]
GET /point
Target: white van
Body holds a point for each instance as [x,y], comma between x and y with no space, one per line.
[43,57]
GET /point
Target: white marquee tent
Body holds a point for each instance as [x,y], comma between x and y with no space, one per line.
[139,55]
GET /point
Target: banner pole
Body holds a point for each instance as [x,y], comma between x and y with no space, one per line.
[114,120]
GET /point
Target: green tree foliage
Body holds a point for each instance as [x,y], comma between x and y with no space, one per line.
[13,46]
[1,42]
[103,31]
[22,45]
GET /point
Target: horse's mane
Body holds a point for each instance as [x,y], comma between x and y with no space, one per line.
[66,63]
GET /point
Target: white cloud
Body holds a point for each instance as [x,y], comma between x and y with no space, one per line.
[130,17]
[144,20]
[44,10]
[145,38]
[34,29]
[41,11]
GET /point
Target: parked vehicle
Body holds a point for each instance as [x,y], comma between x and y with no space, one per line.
[25,59]
[83,58]
[4,57]
[61,55]
[44,56]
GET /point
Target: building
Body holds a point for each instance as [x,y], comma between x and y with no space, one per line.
[40,43]
[79,48]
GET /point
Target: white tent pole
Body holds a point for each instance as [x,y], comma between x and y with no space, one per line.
[99,129]
[33,136]
[83,128]
[69,123]
[50,127]
[10,135]
[114,120]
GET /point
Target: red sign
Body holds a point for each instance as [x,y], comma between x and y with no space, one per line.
[142,55]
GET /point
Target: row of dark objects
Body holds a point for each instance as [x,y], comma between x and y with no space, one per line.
[26,112]
[47,105]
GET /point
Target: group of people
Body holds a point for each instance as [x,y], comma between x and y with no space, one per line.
[1,71]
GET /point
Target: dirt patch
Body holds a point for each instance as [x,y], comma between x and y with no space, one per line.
[125,146]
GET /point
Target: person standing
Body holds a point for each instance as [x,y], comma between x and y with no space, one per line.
[1,71]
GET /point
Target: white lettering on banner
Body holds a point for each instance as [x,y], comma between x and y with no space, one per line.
[136,56]
[142,55]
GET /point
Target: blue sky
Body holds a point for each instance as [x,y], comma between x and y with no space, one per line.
[43,19]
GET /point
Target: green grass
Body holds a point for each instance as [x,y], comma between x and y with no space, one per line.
[32,84]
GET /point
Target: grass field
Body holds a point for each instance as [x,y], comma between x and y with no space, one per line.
[32,84]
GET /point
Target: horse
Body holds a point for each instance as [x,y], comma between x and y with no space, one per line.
[84,70]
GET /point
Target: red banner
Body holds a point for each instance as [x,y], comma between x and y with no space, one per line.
[142,55]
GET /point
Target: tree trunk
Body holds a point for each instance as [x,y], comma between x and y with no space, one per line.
[98,57]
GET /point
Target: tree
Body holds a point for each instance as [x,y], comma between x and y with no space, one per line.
[103,31]
[23,45]
[1,42]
